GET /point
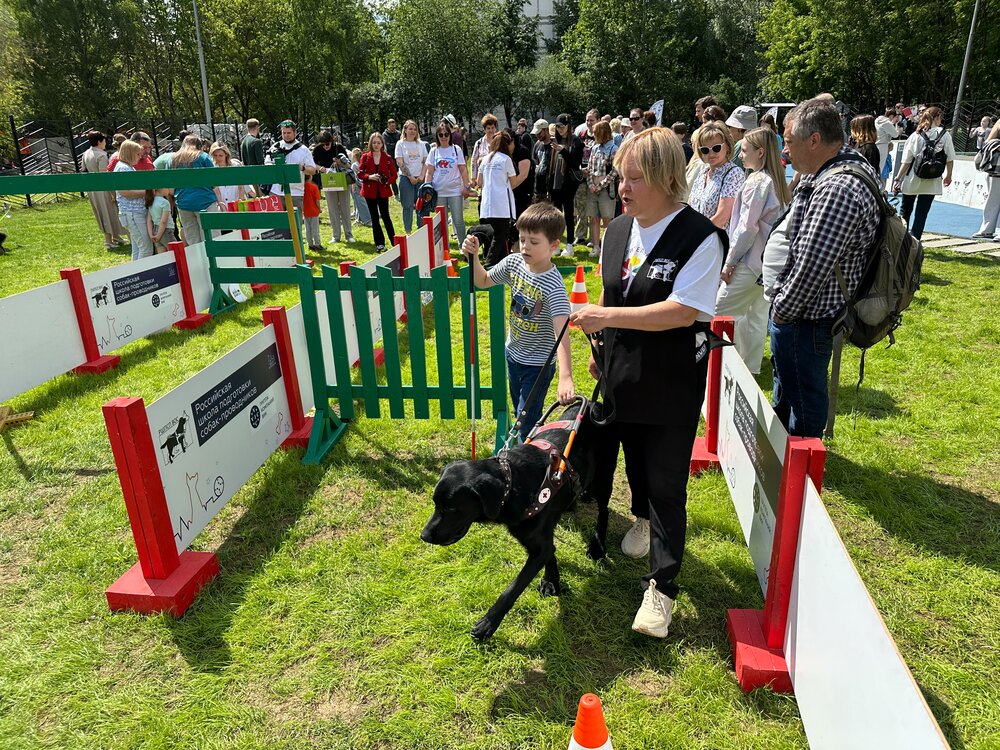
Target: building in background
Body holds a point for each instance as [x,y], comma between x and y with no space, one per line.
[543,11]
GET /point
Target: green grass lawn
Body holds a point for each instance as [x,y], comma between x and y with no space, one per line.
[332,625]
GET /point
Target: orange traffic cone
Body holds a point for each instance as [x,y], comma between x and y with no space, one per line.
[578,297]
[600,257]
[590,732]
[449,261]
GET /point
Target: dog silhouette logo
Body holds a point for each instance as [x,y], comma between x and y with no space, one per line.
[176,439]
[101,297]
[728,387]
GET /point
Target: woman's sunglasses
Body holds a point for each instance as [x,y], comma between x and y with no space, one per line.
[710,149]
[635,118]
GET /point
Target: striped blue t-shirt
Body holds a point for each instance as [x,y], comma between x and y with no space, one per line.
[534,299]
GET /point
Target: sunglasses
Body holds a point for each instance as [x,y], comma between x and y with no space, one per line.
[635,118]
[710,149]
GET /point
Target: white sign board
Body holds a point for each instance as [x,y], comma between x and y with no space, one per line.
[300,351]
[133,300]
[39,338]
[751,451]
[852,686]
[440,228]
[212,432]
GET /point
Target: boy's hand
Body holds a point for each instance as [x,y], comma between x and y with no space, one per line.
[567,392]
[470,248]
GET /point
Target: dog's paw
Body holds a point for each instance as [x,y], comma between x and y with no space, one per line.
[596,550]
[484,629]
[548,588]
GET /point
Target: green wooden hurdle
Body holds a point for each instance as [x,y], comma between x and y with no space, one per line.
[216,248]
[329,425]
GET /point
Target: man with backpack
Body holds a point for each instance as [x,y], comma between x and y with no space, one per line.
[830,228]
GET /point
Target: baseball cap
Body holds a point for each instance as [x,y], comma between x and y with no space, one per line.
[562,119]
[539,126]
[743,117]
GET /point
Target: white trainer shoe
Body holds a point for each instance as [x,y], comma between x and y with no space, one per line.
[567,251]
[653,617]
[635,543]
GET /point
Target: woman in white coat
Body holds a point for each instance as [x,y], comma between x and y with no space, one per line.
[759,203]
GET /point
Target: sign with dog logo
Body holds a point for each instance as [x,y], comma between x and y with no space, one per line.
[216,429]
[751,450]
[133,300]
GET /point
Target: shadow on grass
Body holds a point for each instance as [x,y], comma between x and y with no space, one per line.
[30,473]
[931,280]
[273,509]
[926,513]
[591,644]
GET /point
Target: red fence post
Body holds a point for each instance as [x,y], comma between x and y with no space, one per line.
[162,580]
[705,454]
[758,636]
[277,318]
[95,362]
[429,226]
[194,318]
[404,261]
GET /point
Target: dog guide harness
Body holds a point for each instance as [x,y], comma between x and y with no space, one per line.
[560,470]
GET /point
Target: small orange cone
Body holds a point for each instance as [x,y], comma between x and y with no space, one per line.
[590,732]
[578,297]
[449,261]
[600,257]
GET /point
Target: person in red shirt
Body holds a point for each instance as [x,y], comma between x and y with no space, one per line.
[145,163]
[310,213]
[377,173]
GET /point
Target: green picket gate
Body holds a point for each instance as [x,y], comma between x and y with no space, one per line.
[216,247]
[328,425]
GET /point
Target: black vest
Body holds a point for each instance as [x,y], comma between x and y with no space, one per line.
[654,377]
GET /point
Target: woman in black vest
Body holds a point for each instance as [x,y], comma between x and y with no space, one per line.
[661,263]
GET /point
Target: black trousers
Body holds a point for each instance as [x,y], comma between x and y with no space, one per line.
[657,462]
[499,249]
[376,207]
[923,203]
[563,200]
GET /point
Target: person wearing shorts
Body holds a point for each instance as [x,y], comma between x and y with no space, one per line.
[601,179]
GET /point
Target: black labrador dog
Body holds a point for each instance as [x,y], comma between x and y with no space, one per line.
[481,491]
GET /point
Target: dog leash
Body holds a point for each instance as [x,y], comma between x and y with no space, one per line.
[519,422]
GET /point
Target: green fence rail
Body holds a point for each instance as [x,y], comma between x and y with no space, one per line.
[421,391]
[283,174]
[236,247]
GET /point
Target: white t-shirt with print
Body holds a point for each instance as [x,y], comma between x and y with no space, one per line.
[497,201]
[447,179]
[413,154]
[697,283]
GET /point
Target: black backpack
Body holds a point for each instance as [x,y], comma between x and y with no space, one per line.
[988,158]
[932,160]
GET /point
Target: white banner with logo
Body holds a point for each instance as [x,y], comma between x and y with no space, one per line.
[213,431]
[133,300]
[751,452]
[39,338]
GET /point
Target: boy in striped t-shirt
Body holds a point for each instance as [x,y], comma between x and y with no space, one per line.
[539,307]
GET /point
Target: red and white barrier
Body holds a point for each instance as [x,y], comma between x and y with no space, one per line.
[819,632]
[181,459]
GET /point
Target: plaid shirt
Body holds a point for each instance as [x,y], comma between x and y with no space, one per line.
[835,220]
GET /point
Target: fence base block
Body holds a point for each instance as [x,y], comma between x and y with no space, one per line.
[99,365]
[756,664]
[701,458]
[260,288]
[299,438]
[172,595]
[193,321]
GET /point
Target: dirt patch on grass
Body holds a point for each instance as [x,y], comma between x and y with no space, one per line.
[648,683]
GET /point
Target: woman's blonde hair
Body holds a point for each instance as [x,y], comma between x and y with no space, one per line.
[220,147]
[190,150]
[764,138]
[416,130]
[658,154]
[715,129]
[615,124]
[927,119]
[129,152]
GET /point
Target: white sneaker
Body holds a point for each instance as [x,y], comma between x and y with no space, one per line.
[653,617]
[567,251]
[335,240]
[349,240]
[595,254]
[635,543]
